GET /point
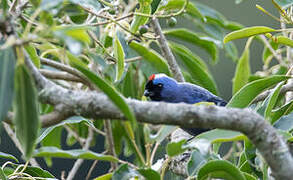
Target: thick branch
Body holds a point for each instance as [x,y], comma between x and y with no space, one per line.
[167,53]
[97,106]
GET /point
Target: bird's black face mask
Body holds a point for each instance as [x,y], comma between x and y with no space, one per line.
[153,91]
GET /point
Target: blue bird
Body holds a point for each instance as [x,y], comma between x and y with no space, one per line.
[160,87]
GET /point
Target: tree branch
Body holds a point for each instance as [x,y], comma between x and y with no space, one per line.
[97,106]
[167,53]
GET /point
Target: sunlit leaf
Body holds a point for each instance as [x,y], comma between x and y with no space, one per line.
[119,55]
[26,110]
[33,55]
[248,92]
[247,32]
[220,135]
[72,154]
[149,174]
[175,148]
[242,71]
[220,169]
[2,175]
[272,100]
[107,176]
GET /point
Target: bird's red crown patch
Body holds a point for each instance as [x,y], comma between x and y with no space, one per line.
[152,77]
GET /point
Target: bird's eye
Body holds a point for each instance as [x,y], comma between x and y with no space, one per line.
[160,85]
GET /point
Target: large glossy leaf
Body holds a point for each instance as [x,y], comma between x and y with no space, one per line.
[72,154]
[247,32]
[220,169]
[176,148]
[7,61]
[191,8]
[155,59]
[119,55]
[7,156]
[247,93]
[144,8]
[196,67]
[26,110]
[114,95]
[206,43]
[242,72]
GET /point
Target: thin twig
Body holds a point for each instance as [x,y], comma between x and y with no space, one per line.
[167,51]
[276,55]
[78,162]
[91,170]
[110,142]
[154,152]
[68,69]
[61,76]
[80,140]
[129,60]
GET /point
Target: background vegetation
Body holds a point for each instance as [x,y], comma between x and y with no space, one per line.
[112,47]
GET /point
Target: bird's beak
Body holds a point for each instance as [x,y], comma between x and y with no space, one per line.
[147,93]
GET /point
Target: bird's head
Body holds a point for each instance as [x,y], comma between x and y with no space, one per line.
[160,87]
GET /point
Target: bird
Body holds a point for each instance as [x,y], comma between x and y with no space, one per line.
[160,87]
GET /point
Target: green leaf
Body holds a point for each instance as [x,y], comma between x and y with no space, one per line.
[149,174]
[155,59]
[155,4]
[247,93]
[247,32]
[196,67]
[119,55]
[93,5]
[285,123]
[267,52]
[191,8]
[107,176]
[33,55]
[2,175]
[195,161]
[72,154]
[242,72]
[283,40]
[35,3]
[111,92]
[207,43]
[272,100]
[138,21]
[284,110]
[220,135]
[7,61]
[125,173]
[175,148]
[220,169]
[7,156]
[36,172]
[4,5]
[26,110]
